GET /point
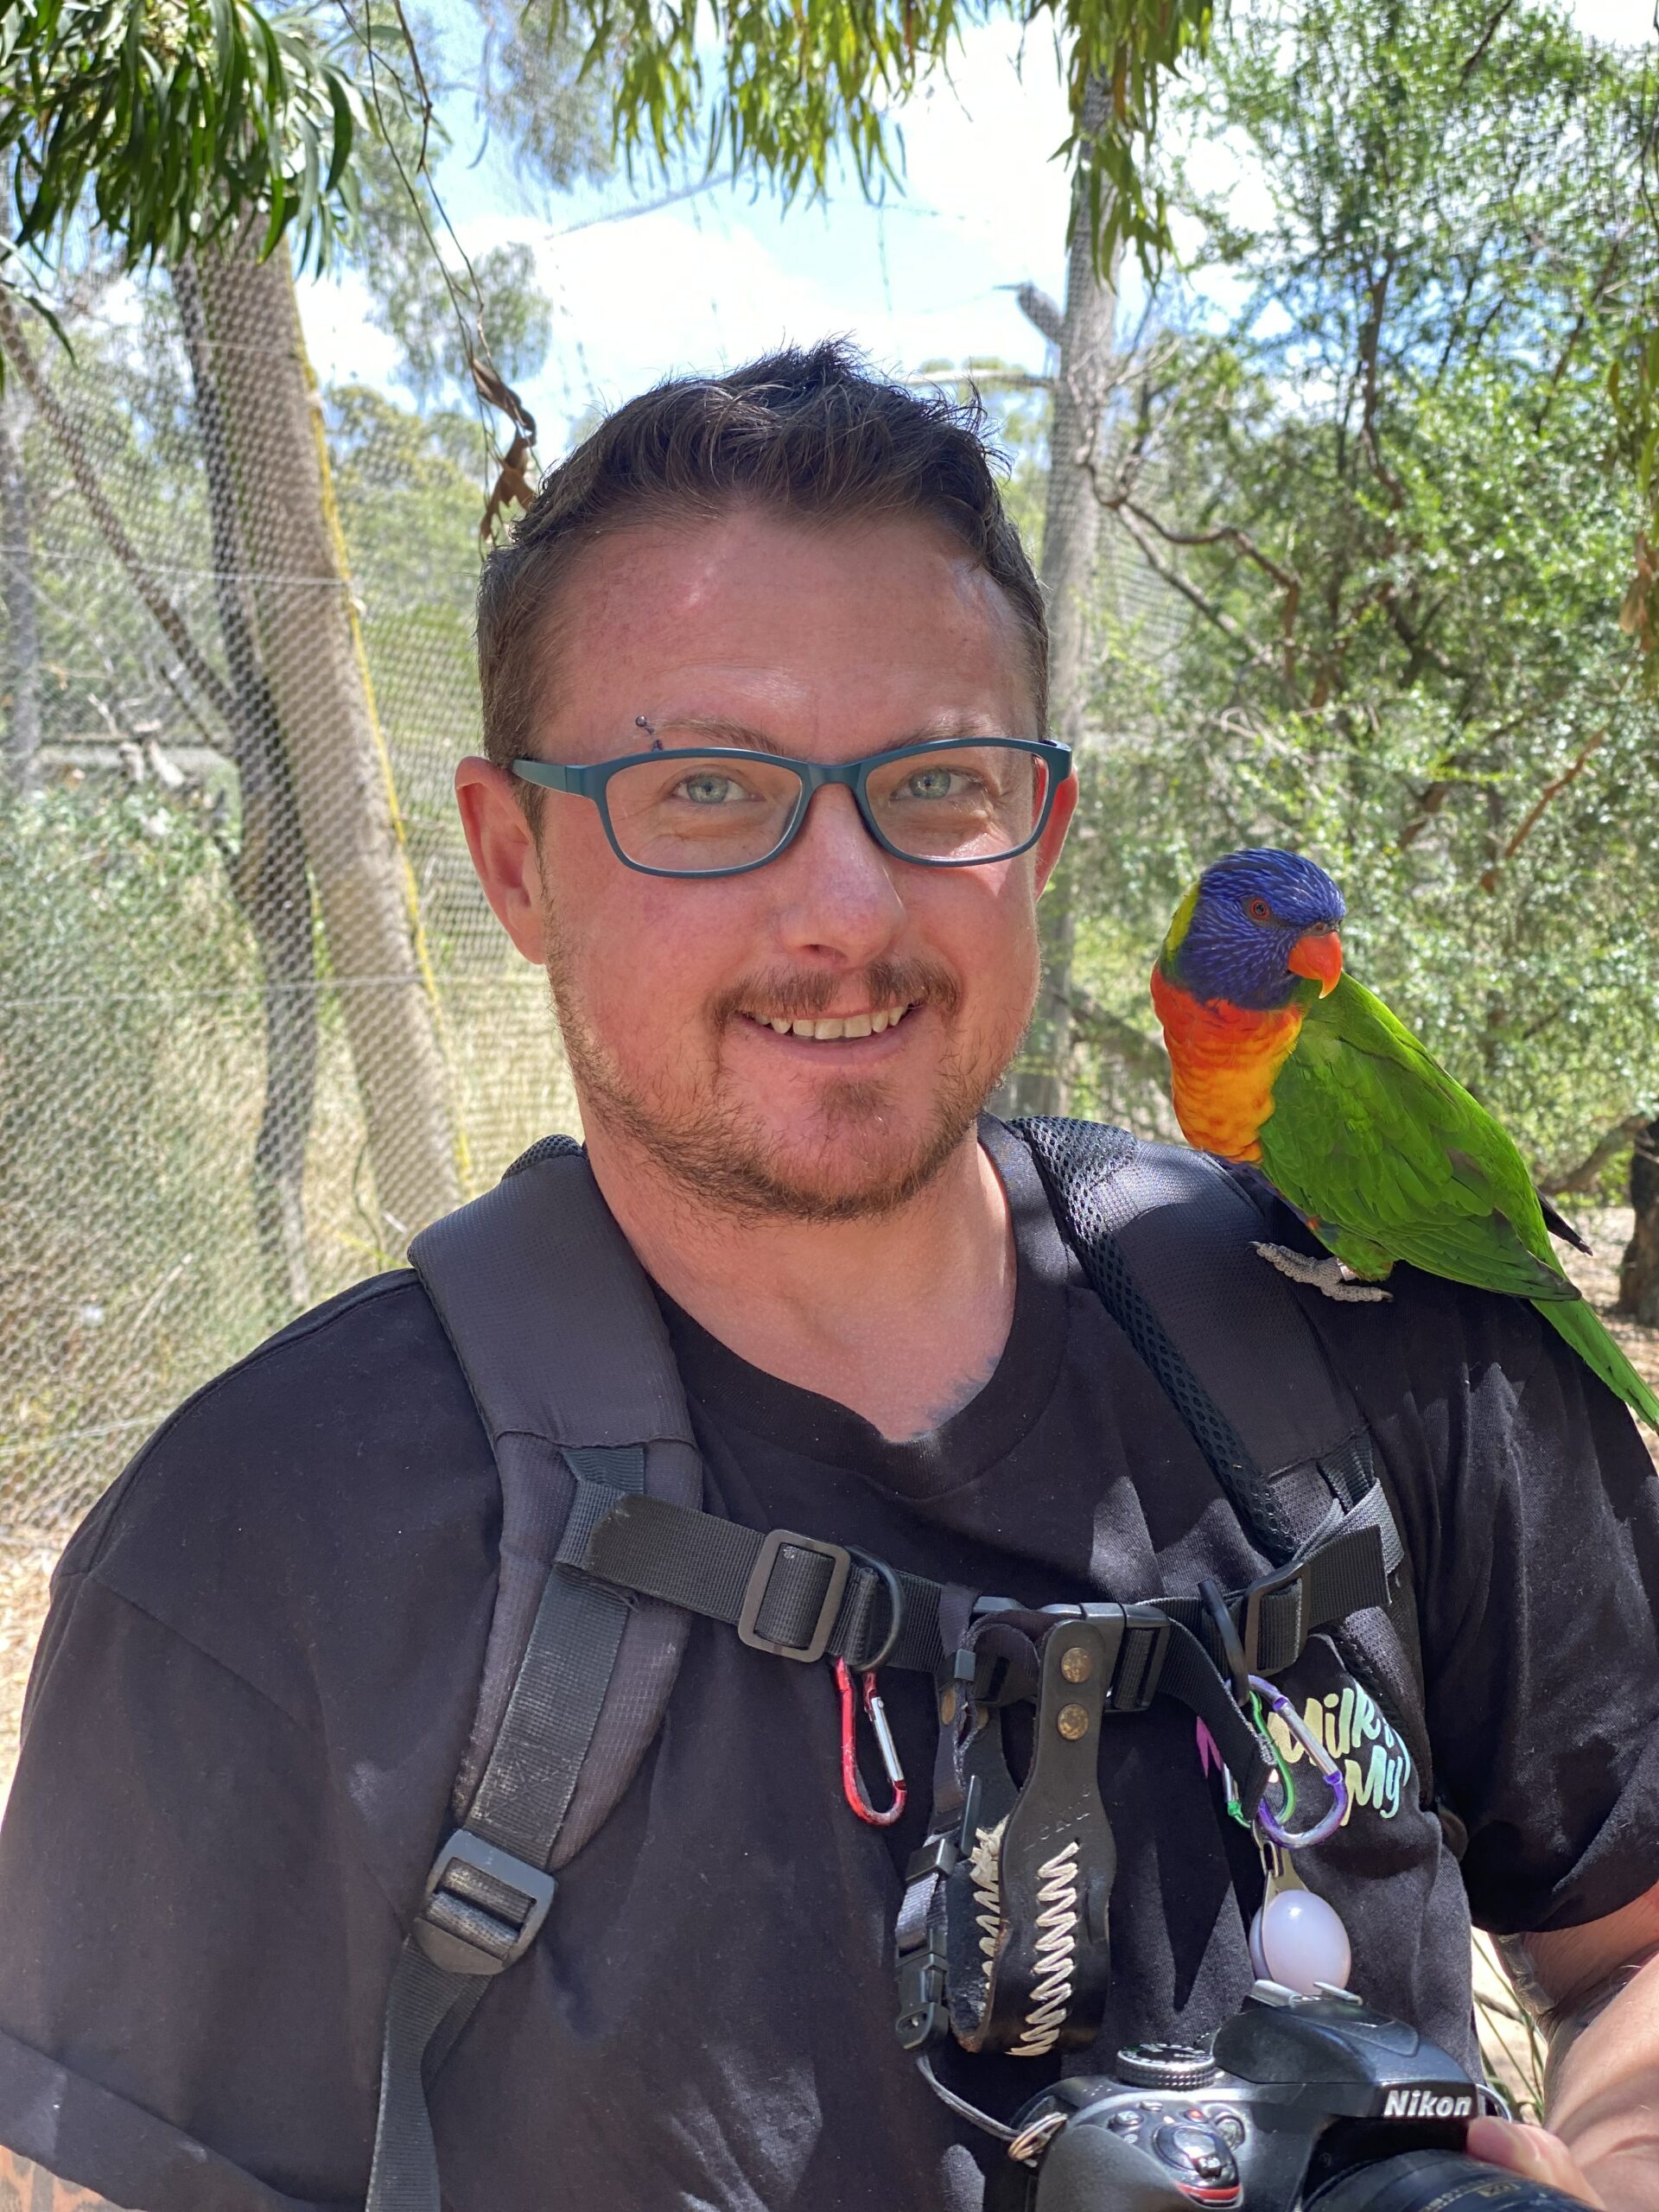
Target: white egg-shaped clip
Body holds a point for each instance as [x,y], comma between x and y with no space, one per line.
[1298,1941]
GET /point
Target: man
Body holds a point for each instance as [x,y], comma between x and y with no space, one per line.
[256,1679]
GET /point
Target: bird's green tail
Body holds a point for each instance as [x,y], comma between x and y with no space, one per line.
[1580,1324]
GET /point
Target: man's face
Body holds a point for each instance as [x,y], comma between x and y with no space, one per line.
[825,643]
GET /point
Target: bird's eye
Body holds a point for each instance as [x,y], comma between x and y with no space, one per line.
[1258,910]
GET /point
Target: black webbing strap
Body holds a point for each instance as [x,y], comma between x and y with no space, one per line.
[786,1593]
[804,1600]
[1341,1574]
[489,1890]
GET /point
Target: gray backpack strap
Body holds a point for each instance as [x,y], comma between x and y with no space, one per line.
[1166,1238]
[563,1345]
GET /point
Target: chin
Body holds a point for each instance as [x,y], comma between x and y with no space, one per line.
[856,1158]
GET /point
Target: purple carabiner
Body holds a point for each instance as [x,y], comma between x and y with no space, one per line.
[1287,1839]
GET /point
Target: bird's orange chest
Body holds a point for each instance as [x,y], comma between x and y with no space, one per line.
[1223,1060]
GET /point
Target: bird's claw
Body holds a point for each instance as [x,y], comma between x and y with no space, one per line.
[1326,1275]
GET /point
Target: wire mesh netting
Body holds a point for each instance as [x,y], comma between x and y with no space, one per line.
[257,1023]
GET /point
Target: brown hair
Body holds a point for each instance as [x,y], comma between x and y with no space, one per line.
[809,434]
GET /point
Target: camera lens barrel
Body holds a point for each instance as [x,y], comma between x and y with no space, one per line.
[1436,2181]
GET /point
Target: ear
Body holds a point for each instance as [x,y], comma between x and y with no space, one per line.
[1050,843]
[505,852]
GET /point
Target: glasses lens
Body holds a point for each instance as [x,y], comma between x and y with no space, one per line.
[962,803]
[696,814]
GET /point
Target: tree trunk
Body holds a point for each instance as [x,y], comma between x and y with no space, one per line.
[1040,1081]
[1638,1273]
[22,676]
[318,684]
[269,876]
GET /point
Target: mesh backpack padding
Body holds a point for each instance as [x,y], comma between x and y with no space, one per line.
[1166,1239]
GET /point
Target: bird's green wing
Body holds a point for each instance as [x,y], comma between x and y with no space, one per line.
[1373,1141]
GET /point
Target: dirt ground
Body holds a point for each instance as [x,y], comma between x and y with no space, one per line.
[25,1572]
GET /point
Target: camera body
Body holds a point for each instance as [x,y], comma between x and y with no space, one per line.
[1298,2100]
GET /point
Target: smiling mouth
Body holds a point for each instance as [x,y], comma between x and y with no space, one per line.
[830,1028]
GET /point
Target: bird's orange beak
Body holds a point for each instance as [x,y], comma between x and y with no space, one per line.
[1319,956]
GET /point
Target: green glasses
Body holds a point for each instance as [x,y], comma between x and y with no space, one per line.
[959,802]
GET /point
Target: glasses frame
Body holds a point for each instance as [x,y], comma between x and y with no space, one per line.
[591,780]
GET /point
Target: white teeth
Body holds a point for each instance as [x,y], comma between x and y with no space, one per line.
[829,1028]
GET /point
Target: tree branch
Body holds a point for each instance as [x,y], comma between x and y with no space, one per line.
[1039,311]
[1226,533]
[1425,807]
[1551,792]
[171,623]
[1487,37]
[1588,1172]
[1234,631]
[1142,1055]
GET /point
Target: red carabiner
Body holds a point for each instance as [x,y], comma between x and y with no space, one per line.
[875,1712]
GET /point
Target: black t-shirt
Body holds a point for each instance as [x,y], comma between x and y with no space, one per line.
[257,1678]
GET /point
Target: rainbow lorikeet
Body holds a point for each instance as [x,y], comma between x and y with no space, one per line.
[1280,1059]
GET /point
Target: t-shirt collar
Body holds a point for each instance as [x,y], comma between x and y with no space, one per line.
[984,1430]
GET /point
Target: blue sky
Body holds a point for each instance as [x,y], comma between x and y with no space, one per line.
[639,292]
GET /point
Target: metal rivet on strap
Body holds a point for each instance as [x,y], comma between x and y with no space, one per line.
[1072,1721]
[1077,1664]
[947,1708]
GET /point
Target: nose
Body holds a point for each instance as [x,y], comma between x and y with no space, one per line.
[839,900]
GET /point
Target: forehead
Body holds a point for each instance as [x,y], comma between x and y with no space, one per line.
[842,637]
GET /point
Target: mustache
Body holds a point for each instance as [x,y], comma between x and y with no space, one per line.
[804,993]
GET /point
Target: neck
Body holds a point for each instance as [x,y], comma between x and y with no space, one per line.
[901,1317]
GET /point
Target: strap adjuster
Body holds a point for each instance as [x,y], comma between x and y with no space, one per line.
[754,1595]
[1140,1661]
[1134,1640]
[483,1908]
[1288,1580]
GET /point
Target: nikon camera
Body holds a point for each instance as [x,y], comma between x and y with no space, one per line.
[1302,2102]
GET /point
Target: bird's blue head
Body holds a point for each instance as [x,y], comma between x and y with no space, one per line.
[1252,927]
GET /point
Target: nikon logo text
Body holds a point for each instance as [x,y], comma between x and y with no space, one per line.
[1427,2104]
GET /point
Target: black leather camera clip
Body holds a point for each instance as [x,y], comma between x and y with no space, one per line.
[1003,1938]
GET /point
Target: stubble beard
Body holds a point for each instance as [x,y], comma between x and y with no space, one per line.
[721,1155]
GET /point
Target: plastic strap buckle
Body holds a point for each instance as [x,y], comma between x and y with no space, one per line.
[754,1595]
[483,1908]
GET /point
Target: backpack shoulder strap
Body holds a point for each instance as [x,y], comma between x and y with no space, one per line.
[565,1351]
[1165,1238]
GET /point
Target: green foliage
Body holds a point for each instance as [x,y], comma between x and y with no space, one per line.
[781,88]
[177,118]
[410,491]
[118,944]
[1385,482]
